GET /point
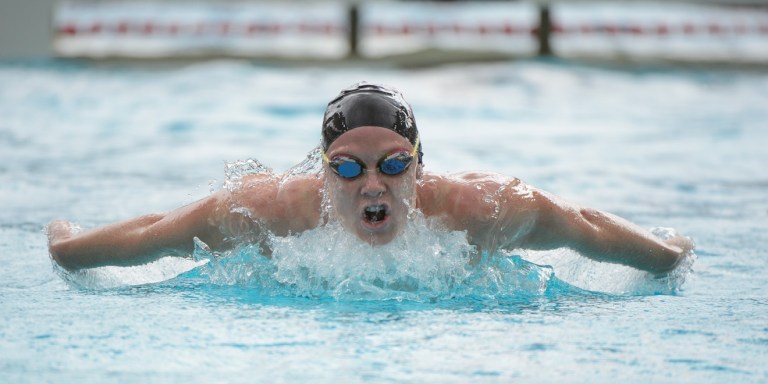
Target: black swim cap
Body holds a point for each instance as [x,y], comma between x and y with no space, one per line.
[365,104]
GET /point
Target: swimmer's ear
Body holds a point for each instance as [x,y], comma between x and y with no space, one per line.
[419,171]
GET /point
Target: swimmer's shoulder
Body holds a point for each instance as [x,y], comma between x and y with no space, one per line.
[299,198]
[290,203]
[463,196]
[435,185]
[277,187]
[301,190]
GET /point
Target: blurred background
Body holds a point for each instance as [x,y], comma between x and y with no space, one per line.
[654,111]
[400,32]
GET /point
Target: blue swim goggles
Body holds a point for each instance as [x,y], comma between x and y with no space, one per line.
[393,164]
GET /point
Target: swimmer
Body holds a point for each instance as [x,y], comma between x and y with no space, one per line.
[372,177]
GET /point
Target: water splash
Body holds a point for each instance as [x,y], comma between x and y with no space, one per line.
[235,171]
[421,263]
[311,165]
[111,277]
[675,279]
[596,276]
[426,263]
[114,277]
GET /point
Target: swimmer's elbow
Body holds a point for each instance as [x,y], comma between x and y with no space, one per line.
[546,219]
[555,223]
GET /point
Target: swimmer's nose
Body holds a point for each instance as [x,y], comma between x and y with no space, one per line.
[373,185]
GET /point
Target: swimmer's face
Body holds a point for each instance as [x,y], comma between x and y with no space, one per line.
[374,206]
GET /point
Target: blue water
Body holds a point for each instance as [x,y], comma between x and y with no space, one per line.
[675,148]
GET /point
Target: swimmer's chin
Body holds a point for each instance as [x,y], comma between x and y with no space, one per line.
[379,236]
[376,239]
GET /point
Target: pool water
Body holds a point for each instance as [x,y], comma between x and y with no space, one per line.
[670,148]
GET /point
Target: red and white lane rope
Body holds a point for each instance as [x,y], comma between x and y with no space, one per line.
[208,28]
[234,29]
[596,28]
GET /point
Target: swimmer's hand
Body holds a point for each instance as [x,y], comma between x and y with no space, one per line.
[684,246]
[683,243]
[57,231]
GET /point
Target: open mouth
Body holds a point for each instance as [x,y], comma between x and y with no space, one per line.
[375,214]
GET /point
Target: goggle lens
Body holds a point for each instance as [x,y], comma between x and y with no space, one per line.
[350,168]
[395,164]
[347,168]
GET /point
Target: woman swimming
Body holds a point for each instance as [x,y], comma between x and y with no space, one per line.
[372,178]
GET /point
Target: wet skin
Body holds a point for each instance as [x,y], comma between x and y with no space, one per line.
[373,206]
[495,211]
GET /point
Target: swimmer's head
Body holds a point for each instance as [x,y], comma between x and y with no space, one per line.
[365,104]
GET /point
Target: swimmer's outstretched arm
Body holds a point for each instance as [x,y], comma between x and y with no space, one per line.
[601,236]
[263,202]
[139,240]
[498,212]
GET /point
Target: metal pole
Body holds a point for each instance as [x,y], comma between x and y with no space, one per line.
[354,29]
[544,31]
